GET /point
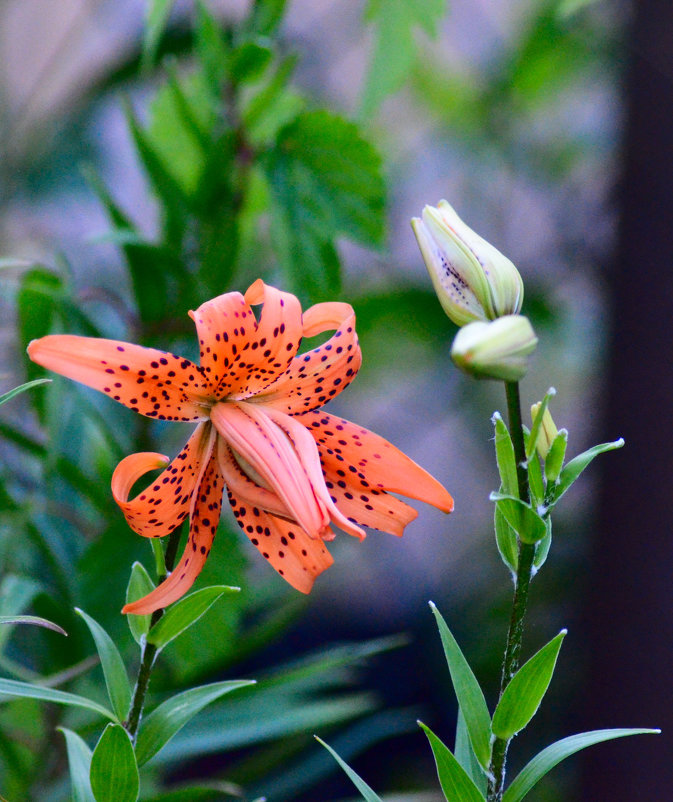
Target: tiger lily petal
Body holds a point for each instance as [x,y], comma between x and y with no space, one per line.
[292,472]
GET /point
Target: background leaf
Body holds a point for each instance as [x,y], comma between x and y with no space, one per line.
[325,182]
[79,763]
[367,793]
[395,45]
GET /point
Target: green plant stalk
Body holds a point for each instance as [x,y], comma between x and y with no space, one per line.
[524,573]
[149,651]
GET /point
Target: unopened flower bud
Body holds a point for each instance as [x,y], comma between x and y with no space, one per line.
[495,350]
[472,279]
[548,430]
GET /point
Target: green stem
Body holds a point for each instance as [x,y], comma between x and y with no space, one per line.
[149,650]
[524,573]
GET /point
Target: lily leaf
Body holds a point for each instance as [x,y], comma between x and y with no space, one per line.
[116,678]
[455,781]
[574,468]
[523,695]
[114,772]
[140,584]
[529,526]
[545,761]
[161,724]
[184,613]
[504,453]
[469,694]
[505,538]
[10,687]
[464,754]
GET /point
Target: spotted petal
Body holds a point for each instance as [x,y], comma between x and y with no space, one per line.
[154,383]
[204,520]
[314,378]
[375,462]
[239,354]
[298,558]
[363,505]
[165,503]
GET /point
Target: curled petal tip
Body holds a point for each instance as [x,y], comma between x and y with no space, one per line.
[255,292]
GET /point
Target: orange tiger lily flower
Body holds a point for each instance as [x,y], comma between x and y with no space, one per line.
[291,470]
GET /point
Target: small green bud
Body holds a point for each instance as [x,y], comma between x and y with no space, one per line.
[548,430]
[472,279]
[495,350]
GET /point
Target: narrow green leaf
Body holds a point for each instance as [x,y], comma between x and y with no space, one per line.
[464,754]
[358,782]
[161,724]
[455,781]
[165,186]
[535,481]
[537,423]
[158,12]
[469,694]
[272,105]
[266,15]
[116,678]
[542,547]
[521,698]
[545,761]
[79,763]
[574,468]
[32,619]
[211,48]
[10,687]
[504,454]
[554,460]
[505,538]
[395,47]
[114,771]
[140,584]
[184,613]
[249,60]
[22,389]
[529,526]
[203,792]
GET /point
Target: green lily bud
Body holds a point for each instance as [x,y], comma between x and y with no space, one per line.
[548,430]
[495,350]
[472,279]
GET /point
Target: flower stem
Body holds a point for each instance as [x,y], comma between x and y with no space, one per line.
[149,650]
[524,572]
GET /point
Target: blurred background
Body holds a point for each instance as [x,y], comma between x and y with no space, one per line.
[127,197]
